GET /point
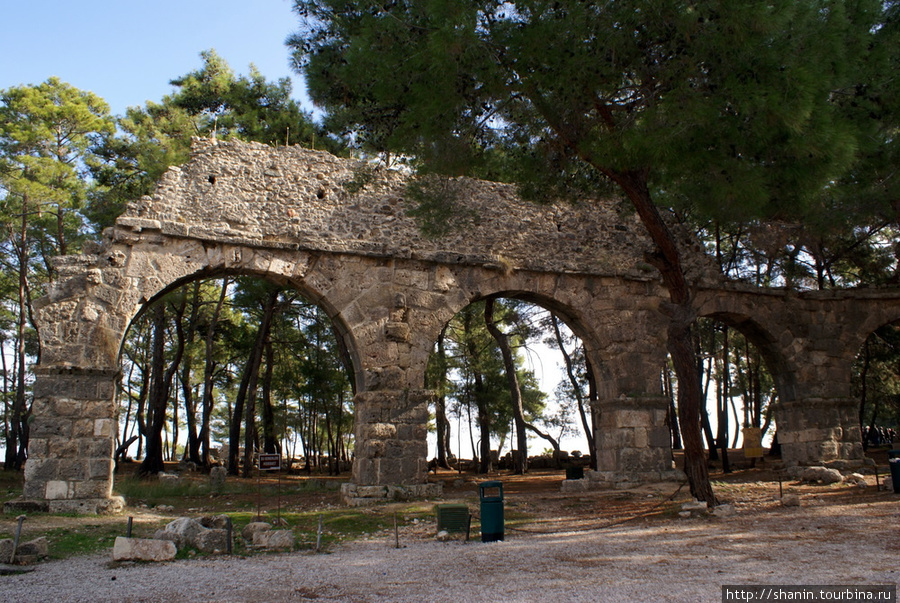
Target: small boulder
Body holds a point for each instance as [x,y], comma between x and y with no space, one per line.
[252,528]
[211,541]
[6,548]
[695,506]
[821,475]
[183,531]
[724,511]
[790,500]
[856,479]
[215,522]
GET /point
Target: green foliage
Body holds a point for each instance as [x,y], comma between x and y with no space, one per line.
[433,202]
[736,111]
[876,378]
[474,361]
[49,134]
[211,101]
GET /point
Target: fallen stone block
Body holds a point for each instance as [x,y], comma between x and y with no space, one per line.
[856,479]
[143,549]
[217,477]
[211,541]
[274,540]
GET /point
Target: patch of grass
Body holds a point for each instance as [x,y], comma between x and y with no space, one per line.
[84,540]
[11,484]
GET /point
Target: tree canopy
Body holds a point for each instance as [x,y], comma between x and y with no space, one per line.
[732,111]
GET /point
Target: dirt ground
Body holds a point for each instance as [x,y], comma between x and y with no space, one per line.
[533,502]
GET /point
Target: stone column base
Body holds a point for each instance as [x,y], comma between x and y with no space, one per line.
[357,496]
[611,480]
[81,506]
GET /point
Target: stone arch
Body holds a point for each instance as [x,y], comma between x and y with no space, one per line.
[778,365]
[281,278]
[291,214]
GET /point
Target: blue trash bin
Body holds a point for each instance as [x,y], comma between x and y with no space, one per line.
[491,495]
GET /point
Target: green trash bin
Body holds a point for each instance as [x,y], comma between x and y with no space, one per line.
[491,495]
[894,464]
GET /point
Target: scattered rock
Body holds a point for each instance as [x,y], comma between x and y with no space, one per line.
[143,549]
[6,547]
[821,475]
[27,552]
[684,514]
[182,531]
[212,541]
[790,500]
[215,522]
[695,506]
[444,536]
[189,533]
[724,511]
[252,528]
[856,479]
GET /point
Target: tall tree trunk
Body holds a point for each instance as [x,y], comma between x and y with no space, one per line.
[576,388]
[704,415]
[244,403]
[666,258]
[270,438]
[15,450]
[442,425]
[192,451]
[863,394]
[521,461]
[209,370]
[671,412]
[160,386]
[722,406]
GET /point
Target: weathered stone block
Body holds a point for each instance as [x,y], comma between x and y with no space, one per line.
[58,489]
[143,549]
[274,540]
[213,540]
[92,489]
[73,469]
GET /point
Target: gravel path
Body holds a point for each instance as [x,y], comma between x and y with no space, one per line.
[663,560]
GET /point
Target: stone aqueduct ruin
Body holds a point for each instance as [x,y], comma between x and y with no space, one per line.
[286,214]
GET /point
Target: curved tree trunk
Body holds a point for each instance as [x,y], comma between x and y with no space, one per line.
[160,386]
[576,388]
[520,465]
[680,311]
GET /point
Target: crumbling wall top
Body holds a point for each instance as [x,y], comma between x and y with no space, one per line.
[250,193]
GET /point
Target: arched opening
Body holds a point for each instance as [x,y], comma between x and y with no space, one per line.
[506,365]
[875,384]
[218,368]
[743,379]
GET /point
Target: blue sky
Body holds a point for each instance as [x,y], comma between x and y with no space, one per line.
[126,51]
